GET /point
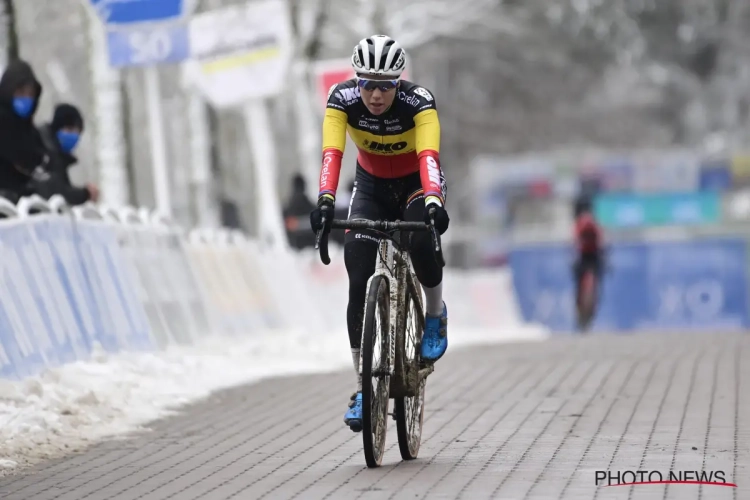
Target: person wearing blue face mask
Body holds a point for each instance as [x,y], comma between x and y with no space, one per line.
[21,148]
[61,136]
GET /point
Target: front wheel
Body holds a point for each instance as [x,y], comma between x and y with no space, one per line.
[409,410]
[375,370]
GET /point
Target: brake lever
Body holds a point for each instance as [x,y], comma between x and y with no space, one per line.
[322,236]
[319,234]
[436,239]
[433,230]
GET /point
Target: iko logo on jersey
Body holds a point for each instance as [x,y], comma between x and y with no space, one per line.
[389,147]
[348,96]
[424,93]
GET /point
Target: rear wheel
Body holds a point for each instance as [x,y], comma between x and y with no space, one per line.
[375,371]
[409,411]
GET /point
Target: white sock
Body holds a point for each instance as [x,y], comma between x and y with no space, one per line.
[355,360]
[434,299]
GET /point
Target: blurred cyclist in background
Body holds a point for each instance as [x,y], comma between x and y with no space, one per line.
[589,245]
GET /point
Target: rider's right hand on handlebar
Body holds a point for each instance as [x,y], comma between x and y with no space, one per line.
[323,210]
[434,210]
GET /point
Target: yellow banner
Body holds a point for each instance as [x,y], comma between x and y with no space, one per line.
[239,60]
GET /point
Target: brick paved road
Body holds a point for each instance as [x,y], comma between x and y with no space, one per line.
[530,421]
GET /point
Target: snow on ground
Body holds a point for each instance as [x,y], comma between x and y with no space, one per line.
[68,408]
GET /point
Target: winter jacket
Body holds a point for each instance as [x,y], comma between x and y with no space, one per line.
[21,148]
[58,165]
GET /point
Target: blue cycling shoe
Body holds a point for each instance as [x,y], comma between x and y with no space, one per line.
[353,417]
[435,338]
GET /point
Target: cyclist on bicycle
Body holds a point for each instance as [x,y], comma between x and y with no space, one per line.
[395,125]
[589,244]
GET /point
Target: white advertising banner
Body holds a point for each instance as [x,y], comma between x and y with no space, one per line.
[240,52]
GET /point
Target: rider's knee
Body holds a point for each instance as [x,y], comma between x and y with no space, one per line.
[428,272]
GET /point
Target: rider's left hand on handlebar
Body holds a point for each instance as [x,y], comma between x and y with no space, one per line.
[440,214]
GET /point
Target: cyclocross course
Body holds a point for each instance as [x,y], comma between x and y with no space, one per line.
[515,421]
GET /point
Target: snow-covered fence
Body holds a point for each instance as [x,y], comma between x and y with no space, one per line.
[128,280]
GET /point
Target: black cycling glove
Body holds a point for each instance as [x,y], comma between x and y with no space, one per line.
[440,215]
[324,209]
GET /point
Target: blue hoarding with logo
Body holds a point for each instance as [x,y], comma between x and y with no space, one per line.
[665,285]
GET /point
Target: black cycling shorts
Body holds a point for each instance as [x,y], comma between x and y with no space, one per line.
[377,198]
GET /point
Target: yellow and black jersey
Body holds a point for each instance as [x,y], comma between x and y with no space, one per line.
[400,141]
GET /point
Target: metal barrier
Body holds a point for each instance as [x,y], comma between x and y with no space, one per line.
[124,278]
[76,279]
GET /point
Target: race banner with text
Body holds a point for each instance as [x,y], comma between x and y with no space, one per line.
[240,52]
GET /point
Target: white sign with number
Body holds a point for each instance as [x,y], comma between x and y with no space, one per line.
[148,45]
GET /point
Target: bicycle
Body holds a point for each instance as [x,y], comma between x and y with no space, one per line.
[394,313]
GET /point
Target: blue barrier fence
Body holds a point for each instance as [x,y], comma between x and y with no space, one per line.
[64,287]
[696,285]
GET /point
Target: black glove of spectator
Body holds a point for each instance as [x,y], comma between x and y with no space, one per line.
[440,215]
[324,209]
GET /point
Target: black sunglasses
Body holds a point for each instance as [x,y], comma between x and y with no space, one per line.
[383,85]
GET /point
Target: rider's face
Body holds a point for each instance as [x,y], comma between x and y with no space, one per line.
[377,93]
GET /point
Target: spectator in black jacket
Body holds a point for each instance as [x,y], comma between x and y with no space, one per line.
[21,149]
[60,138]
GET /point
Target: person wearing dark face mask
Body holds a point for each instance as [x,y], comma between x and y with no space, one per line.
[60,138]
[22,154]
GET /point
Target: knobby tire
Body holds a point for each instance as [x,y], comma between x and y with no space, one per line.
[375,402]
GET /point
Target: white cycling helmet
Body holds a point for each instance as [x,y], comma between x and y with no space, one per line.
[379,55]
